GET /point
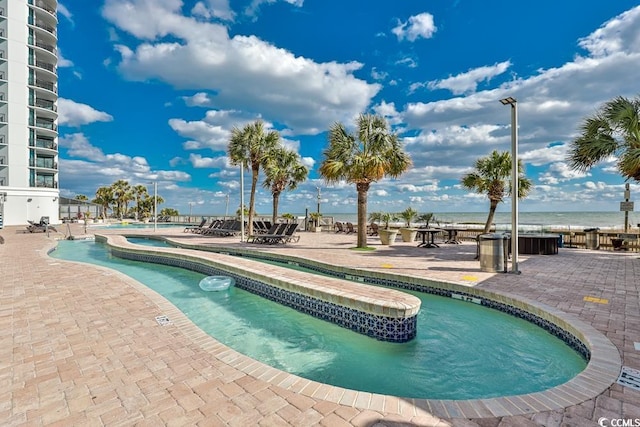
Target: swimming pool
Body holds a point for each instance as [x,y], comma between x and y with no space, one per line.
[461,352]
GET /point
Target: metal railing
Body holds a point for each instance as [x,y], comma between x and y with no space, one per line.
[43,26]
[48,163]
[46,184]
[44,143]
[45,124]
[46,66]
[43,5]
[44,103]
[42,84]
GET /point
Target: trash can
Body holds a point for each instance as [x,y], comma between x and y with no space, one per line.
[591,240]
[492,252]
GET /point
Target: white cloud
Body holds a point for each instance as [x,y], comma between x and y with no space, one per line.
[62,10]
[619,34]
[71,113]
[418,26]
[468,82]
[214,9]
[189,54]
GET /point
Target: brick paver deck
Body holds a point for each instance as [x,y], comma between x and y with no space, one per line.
[80,344]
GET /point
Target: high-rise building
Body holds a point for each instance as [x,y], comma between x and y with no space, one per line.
[28,111]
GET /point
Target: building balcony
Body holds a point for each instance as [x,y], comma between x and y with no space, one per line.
[46,184]
[46,66]
[46,6]
[43,26]
[44,103]
[44,124]
[43,143]
[43,84]
[47,163]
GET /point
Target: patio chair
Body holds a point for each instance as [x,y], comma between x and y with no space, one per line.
[192,227]
[272,230]
[272,237]
[42,226]
[204,230]
[350,228]
[339,227]
[372,229]
[287,236]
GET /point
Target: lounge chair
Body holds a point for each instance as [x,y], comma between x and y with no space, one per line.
[272,230]
[286,236]
[280,229]
[350,228]
[42,226]
[204,230]
[192,227]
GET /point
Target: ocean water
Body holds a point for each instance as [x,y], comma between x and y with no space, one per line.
[527,220]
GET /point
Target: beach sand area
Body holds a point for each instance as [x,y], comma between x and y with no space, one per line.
[81,345]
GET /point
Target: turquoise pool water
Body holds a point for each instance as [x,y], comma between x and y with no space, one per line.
[462,351]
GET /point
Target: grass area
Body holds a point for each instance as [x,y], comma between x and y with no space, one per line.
[365,249]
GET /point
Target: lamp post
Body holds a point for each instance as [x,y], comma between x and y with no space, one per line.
[190,206]
[226,207]
[514,181]
[318,188]
[242,202]
[155,206]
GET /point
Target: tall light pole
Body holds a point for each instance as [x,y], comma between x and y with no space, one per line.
[155,206]
[190,206]
[318,188]
[514,181]
[242,202]
[226,207]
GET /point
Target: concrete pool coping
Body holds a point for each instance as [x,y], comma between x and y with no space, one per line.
[602,369]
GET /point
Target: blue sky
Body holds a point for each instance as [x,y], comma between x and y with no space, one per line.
[150,90]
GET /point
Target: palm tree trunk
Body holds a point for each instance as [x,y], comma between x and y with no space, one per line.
[252,200]
[493,205]
[362,188]
[276,200]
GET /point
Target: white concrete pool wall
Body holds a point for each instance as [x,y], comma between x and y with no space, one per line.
[385,314]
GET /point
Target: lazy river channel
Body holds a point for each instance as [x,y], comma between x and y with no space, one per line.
[462,350]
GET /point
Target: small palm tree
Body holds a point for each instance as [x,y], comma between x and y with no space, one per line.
[426,218]
[284,171]
[491,177]
[382,217]
[251,147]
[613,131]
[367,156]
[288,217]
[408,215]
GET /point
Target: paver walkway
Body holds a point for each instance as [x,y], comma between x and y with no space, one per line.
[80,344]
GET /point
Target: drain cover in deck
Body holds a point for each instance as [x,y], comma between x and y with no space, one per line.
[629,377]
[163,320]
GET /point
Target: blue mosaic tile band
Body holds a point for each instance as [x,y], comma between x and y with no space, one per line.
[379,327]
[571,340]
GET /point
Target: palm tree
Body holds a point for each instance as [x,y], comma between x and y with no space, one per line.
[613,131]
[251,147]
[81,197]
[284,171]
[426,218]
[408,215]
[122,195]
[491,177]
[139,192]
[104,198]
[368,156]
